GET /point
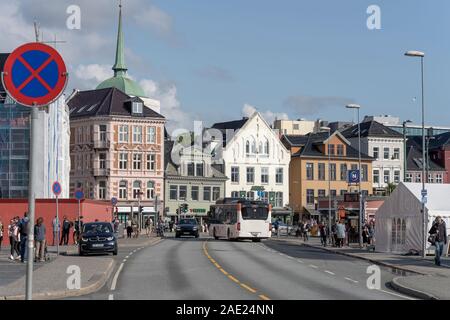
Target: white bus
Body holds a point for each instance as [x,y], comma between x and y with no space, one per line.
[240,219]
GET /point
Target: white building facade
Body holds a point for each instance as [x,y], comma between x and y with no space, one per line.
[254,160]
[386,146]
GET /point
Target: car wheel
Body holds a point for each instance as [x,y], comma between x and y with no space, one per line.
[214,234]
[177,235]
[81,252]
[115,252]
[197,235]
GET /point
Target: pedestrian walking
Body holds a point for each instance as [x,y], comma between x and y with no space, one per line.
[23,230]
[323,234]
[56,226]
[340,233]
[438,238]
[1,234]
[371,232]
[129,229]
[333,235]
[65,232]
[365,235]
[306,229]
[77,227]
[40,240]
[13,234]
[147,226]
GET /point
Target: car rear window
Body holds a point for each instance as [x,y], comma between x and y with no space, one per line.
[97,228]
[188,221]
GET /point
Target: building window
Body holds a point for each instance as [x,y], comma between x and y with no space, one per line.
[364,173]
[182,192]
[343,172]
[397,176]
[247,147]
[190,169]
[296,126]
[386,153]
[439,178]
[376,152]
[102,190]
[151,135]
[250,175]
[123,190]
[279,200]
[333,193]
[409,177]
[123,134]
[102,160]
[343,192]
[387,176]
[173,192]
[340,150]
[250,195]
[206,193]
[331,149]
[151,162]
[376,176]
[266,147]
[199,169]
[235,174]
[418,177]
[265,175]
[310,171]
[430,178]
[102,135]
[136,190]
[310,196]
[123,161]
[396,153]
[194,193]
[321,193]
[137,134]
[137,161]
[321,170]
[150,190]
[333,171]
[137,107]
[216,193]
[279,175]
[235,194]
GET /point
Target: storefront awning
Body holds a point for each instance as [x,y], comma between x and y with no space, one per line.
[312,212]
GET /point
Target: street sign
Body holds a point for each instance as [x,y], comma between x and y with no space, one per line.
[424,193]
[424,199]
[34,75]
[113,201]
[353,176]
[56,188]
[79,195]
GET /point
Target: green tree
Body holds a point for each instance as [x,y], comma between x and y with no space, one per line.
[390,188]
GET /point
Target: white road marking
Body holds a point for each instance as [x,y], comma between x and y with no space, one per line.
[300,261]
[116,276]
[397,295]
[313,266]
[329,272]
[127,257]
[351,280]
[111,297]
[124,260]
[131,253]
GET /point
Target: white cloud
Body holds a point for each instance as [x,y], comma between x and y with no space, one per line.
[158,20]
[170,105]
[270,116]
[95,72]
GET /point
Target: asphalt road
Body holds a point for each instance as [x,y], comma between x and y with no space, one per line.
[203,269]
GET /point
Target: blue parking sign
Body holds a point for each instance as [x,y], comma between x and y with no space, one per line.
[353,176]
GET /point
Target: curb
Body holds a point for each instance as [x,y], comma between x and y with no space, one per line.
[352,255]
[410,291]
[69,293]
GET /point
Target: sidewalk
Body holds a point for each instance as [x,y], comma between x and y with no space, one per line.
[427,282]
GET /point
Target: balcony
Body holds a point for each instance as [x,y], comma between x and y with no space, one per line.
[97,172]
[102,144]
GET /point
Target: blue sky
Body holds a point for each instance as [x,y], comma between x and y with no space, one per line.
[305,59]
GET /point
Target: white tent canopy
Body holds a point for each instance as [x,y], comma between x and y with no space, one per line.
[399,221]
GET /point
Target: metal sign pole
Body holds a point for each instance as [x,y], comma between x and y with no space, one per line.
[79,219]
[57,226]
[31,203]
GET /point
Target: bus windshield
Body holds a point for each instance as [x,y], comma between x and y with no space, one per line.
[255,213]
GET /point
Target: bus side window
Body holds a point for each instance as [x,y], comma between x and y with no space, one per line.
[234,216]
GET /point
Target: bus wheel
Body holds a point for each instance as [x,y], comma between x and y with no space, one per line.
[214,234]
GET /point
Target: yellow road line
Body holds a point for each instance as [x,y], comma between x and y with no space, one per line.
[243,285]
[229,276]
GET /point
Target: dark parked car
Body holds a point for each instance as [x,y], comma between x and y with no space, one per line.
[187,227]
[98,237]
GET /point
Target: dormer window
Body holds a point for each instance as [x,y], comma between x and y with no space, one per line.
[137,107]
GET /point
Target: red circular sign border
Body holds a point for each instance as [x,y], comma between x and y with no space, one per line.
[53,188]
[28,101]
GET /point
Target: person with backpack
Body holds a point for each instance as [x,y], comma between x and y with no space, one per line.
[39,239]
[23,230]
[438,238]
[65,232]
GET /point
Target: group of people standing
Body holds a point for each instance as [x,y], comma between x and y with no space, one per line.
[61,231]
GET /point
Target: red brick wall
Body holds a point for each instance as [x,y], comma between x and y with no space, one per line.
[90,210]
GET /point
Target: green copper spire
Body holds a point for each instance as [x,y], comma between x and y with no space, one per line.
[120,79]
[119,67]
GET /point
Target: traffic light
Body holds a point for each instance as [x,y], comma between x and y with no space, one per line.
[185,207]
